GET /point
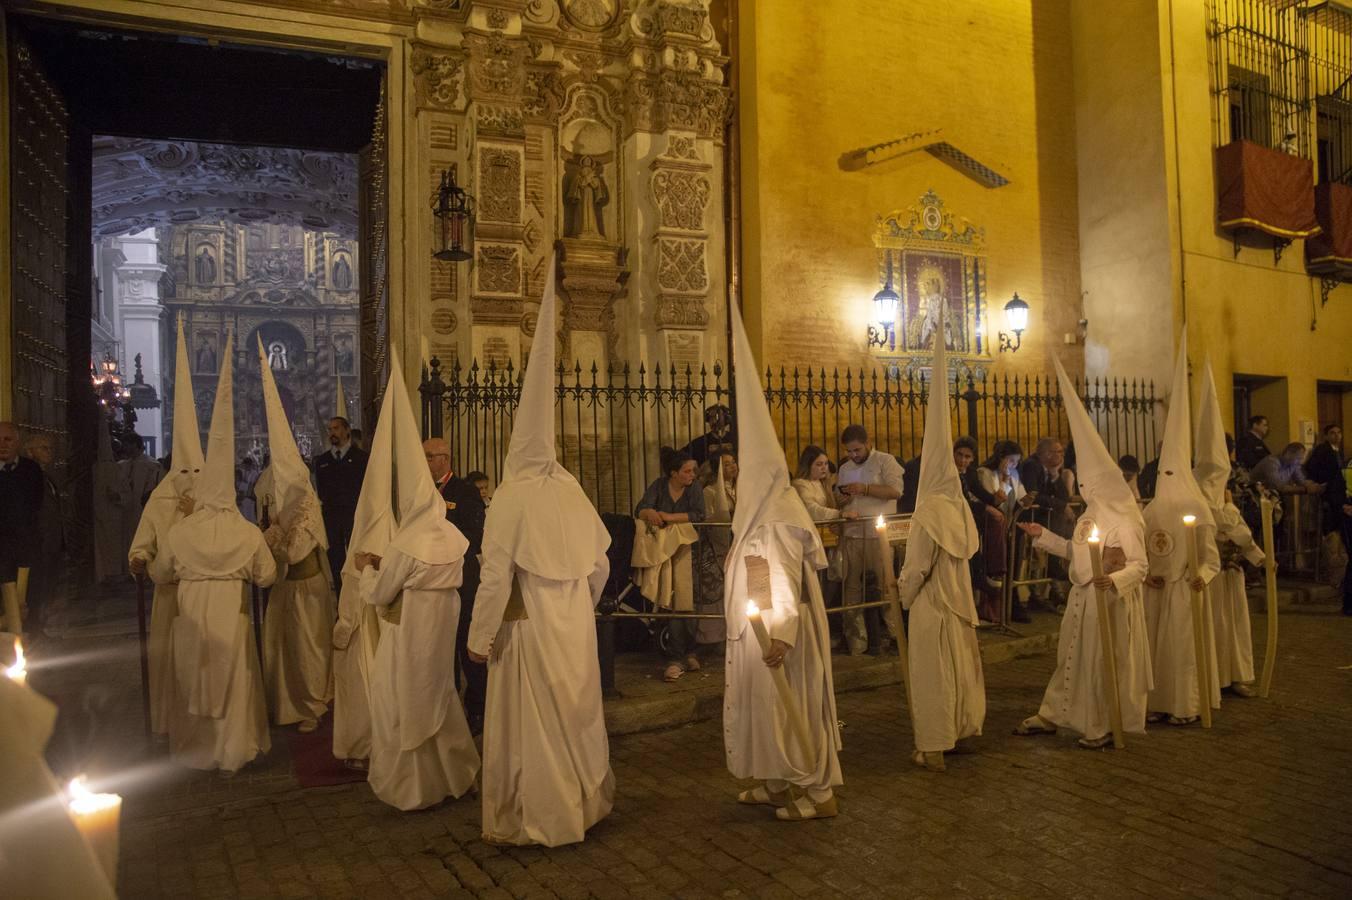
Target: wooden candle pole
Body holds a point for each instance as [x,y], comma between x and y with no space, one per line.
[1270,652]
[1107,643]
[888,582]
[758,586]
[1201,658]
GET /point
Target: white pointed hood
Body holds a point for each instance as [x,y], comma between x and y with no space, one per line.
[423,532]
[540,516]
[185,454]
[1212,469]
[216,540]
[941,508]
[765,496]
[373,523]
[1176,492]
[289,476]
[1108,498]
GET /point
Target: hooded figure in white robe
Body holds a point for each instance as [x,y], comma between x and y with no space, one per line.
[421,748]
[1234,542]
[1076,698]
[948,690]
[42,854]
[163,510]
[214,554]
[546,776]
[298,627]
[356,634]
[771,522]
[1170,584]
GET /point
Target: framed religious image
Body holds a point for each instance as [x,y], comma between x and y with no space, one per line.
[204,268]
[344,355]
[933,280]
[205,352]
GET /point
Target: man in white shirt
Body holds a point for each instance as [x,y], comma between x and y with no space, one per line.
[868,485]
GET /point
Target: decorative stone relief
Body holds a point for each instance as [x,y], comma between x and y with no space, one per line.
[444,321]
[680,265]
[543,95]
[590,15]
[497,67]
[437,78]
[683,101]
[499,269]
[681,198]
[500,187]
[681,312]
[499,121]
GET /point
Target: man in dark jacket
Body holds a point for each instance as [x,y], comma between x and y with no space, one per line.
[1045,481]
[466,511]
[338,476]
[1252,444]
[21,487]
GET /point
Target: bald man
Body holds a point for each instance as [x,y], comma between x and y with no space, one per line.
[466,511]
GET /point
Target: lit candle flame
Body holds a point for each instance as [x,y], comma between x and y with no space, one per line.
[752,609]
[881,523]
[18,671]
[85,801]
[1189,521]
[1094,535]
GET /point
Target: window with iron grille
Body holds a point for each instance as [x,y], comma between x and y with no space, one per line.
[1260,85]
[1330,35]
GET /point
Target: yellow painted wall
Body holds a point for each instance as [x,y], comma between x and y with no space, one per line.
[1253,316]
[827,77]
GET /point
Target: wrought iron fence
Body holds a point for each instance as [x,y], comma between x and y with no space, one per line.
[611,423]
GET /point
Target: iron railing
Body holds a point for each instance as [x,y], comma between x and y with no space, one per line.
[610,424]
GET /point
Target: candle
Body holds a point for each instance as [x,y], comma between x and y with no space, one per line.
[1199,637]
[1107,642]
[1270,564]
[96,817]
[796,723]
[18,673]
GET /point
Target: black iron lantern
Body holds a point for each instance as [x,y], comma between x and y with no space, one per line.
[454,212]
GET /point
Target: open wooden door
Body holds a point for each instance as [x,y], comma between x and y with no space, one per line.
[373,220]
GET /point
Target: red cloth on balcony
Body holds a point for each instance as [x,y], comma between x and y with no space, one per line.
[1333,209]
[1264,189]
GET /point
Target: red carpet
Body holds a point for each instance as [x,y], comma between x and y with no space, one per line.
[312,758]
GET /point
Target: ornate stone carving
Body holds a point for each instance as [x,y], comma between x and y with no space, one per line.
[497,66]
[437,78]
[670,19]
[502,121]
[440,5]
[497,18]
[590,15]
[593,276]
[677,311]
[681,265]
[444,321]
[499,269]
[543,95]
[682,101]
[681,198]
[682,147]
[499,185]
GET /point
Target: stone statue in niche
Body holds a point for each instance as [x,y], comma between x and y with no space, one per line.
[204,266]
[206,354]
[342,274]
[586,196]
[277,356]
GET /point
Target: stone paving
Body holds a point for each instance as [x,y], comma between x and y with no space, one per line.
[1258,805]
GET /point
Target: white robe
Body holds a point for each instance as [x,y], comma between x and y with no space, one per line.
[756,735]
[42,855]
[948,690]
[156,520]
[1168,619]
[222,720]
[546,776]
[1230,601]
[421,748]
[298,636]
[1075,696]
[355,636]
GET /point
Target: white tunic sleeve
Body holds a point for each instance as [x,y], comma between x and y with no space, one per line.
[786,582]
[921,555]
[381,588]
[1052,543]
[1131,575]
[490,601]
[263,569]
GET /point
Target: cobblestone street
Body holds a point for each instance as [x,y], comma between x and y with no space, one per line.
[1258,805]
